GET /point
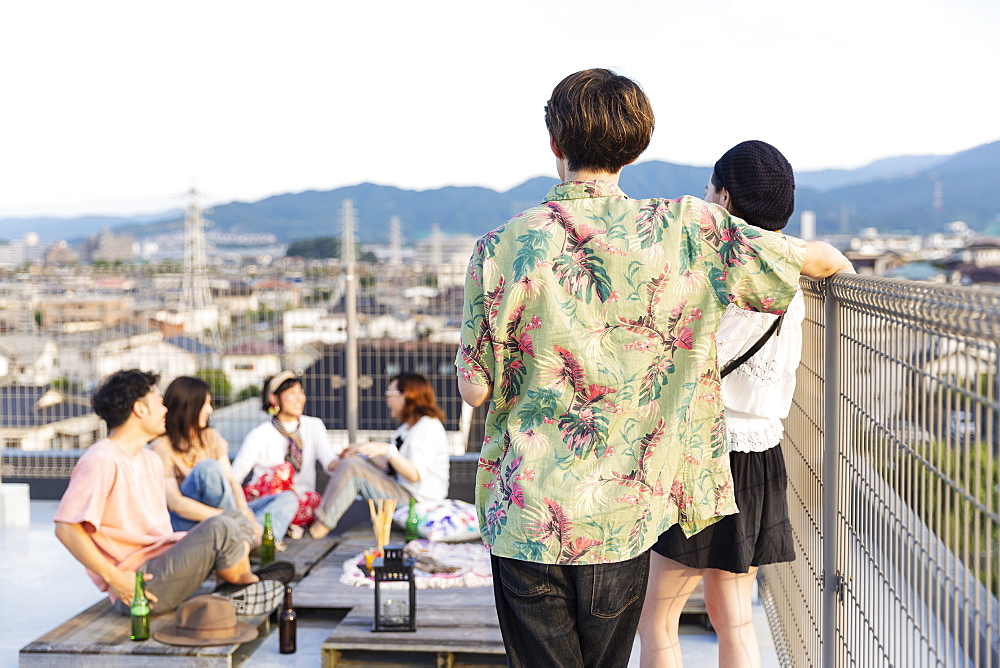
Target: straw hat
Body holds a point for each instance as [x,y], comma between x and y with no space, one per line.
[277,380]
[206,620]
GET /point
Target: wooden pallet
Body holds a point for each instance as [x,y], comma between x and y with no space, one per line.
[455,627]
[306,553]
[99,636]
[462,634]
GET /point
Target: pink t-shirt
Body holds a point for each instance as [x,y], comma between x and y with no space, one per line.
[121,502]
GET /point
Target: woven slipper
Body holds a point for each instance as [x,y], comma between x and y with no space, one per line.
[282,571]
[257,598]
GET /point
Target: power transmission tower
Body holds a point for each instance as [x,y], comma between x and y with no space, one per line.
[195,292]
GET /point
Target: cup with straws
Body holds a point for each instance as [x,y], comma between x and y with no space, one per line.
[381,526]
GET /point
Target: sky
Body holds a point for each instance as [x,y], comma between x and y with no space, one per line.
[121,107]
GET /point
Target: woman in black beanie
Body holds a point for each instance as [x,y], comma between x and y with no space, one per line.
[755,182]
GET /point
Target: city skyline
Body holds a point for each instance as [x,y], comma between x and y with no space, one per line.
[118,108]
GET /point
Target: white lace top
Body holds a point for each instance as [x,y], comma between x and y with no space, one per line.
[758,393]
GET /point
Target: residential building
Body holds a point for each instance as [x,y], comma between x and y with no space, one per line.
[110,248]
[28,359]
[248,364]
[311,325]
[35,418]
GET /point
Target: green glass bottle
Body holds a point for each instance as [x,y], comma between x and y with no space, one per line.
[139,610]
[412,524]
[267,542]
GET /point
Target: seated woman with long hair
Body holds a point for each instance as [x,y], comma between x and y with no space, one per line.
[413,465]
[200,481]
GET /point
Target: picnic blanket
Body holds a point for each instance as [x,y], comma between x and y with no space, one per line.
[439,566]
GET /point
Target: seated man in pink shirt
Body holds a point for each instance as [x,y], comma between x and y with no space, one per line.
[113,517]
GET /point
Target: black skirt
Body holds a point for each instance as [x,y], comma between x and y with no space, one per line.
[759,534]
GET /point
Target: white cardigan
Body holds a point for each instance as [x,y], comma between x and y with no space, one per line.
[758,393]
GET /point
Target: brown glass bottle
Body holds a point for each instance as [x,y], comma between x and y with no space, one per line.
[286,625]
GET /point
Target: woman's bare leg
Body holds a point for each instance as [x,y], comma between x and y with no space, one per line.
[670,585]
[728,598]
[353,476]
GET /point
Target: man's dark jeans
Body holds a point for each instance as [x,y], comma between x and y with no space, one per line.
[556,616]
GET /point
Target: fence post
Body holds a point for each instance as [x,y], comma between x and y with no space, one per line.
[351,313]
[831,482]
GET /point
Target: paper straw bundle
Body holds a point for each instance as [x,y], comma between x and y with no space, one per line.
[382,520]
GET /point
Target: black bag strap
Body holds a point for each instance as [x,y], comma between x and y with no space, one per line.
[752,350]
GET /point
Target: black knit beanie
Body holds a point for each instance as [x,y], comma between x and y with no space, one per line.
[760,183]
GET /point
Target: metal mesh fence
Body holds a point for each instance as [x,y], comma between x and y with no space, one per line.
[62,330]
[893,480]
[791,591]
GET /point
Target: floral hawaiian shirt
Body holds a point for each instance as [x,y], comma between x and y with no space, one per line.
[593,318]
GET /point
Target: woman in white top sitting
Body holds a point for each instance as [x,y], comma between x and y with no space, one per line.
[413,465]
[289,436]
[755,182]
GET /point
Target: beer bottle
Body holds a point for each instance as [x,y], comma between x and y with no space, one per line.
[139,610]
[267,542]
[286,625]
[412,524]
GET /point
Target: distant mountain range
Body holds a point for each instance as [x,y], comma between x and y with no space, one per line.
[893,195]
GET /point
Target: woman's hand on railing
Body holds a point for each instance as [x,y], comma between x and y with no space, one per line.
[824,260]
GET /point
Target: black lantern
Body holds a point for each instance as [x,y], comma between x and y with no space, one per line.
[395,607]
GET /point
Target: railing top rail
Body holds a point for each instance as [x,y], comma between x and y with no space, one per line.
[955,309]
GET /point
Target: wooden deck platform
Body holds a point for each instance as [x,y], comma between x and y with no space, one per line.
[455,627]
[99,636]
[463,634]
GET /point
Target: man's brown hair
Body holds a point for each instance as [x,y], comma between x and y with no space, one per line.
[600,120]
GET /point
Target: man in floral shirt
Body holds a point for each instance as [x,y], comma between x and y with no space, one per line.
[591,324]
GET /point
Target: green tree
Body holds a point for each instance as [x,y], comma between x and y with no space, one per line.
[248,393]
[315,249]
[322,248]
[218,384]
[63,384]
